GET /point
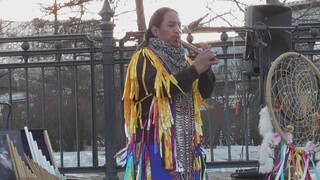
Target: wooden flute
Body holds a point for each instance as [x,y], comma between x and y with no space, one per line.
[192,48]
[189,46]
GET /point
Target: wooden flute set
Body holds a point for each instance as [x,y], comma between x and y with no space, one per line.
[35,165]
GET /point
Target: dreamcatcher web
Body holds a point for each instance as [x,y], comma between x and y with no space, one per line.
[294,98]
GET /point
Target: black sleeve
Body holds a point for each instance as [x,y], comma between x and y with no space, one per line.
[206,83]
[184,78]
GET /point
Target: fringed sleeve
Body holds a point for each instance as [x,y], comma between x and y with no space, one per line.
[160,111]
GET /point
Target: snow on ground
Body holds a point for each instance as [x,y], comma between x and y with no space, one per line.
[220,153]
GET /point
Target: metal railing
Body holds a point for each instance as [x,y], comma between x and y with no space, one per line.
[67,85]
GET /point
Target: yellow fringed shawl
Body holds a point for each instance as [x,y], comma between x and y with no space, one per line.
[162,117]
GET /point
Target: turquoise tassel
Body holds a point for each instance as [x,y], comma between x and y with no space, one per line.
[315,168]
[130,168]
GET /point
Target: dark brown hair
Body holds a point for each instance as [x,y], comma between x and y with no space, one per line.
[155,20]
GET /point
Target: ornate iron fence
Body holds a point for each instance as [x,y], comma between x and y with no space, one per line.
[72,88]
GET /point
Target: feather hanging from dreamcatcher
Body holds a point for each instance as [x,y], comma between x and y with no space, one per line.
[265,152]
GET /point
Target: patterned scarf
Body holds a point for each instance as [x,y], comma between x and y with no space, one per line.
[174,61]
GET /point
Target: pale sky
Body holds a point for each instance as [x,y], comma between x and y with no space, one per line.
[189,10]
[26,10]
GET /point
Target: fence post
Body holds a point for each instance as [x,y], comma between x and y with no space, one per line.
[107,27]
[224,37]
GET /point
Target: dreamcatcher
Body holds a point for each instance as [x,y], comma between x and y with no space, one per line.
[292,107]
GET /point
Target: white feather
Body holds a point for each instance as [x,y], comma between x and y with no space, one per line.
[265,152]
[266,167]
[265,123]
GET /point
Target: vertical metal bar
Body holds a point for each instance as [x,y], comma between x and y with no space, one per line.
[76,97]
[93,114]
[226,91]
[58,57]
[210,134]
[261,75]
[43,101]
[122,76]
[107,27]
[9,124]
[245,111]
[25,46]
[224,37]
[311,47]
[26,123]
[122,80]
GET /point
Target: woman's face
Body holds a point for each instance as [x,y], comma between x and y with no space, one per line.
[169,30]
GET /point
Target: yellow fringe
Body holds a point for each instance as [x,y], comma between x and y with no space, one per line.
[168,150]
[163,80]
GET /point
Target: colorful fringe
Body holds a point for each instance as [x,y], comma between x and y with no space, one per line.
[160,115]
[141,171]
[292,158]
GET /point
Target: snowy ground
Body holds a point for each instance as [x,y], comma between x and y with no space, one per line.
[237,153]
[220,154]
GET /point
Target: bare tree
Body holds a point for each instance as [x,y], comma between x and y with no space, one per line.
[76,6]
[141,22]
